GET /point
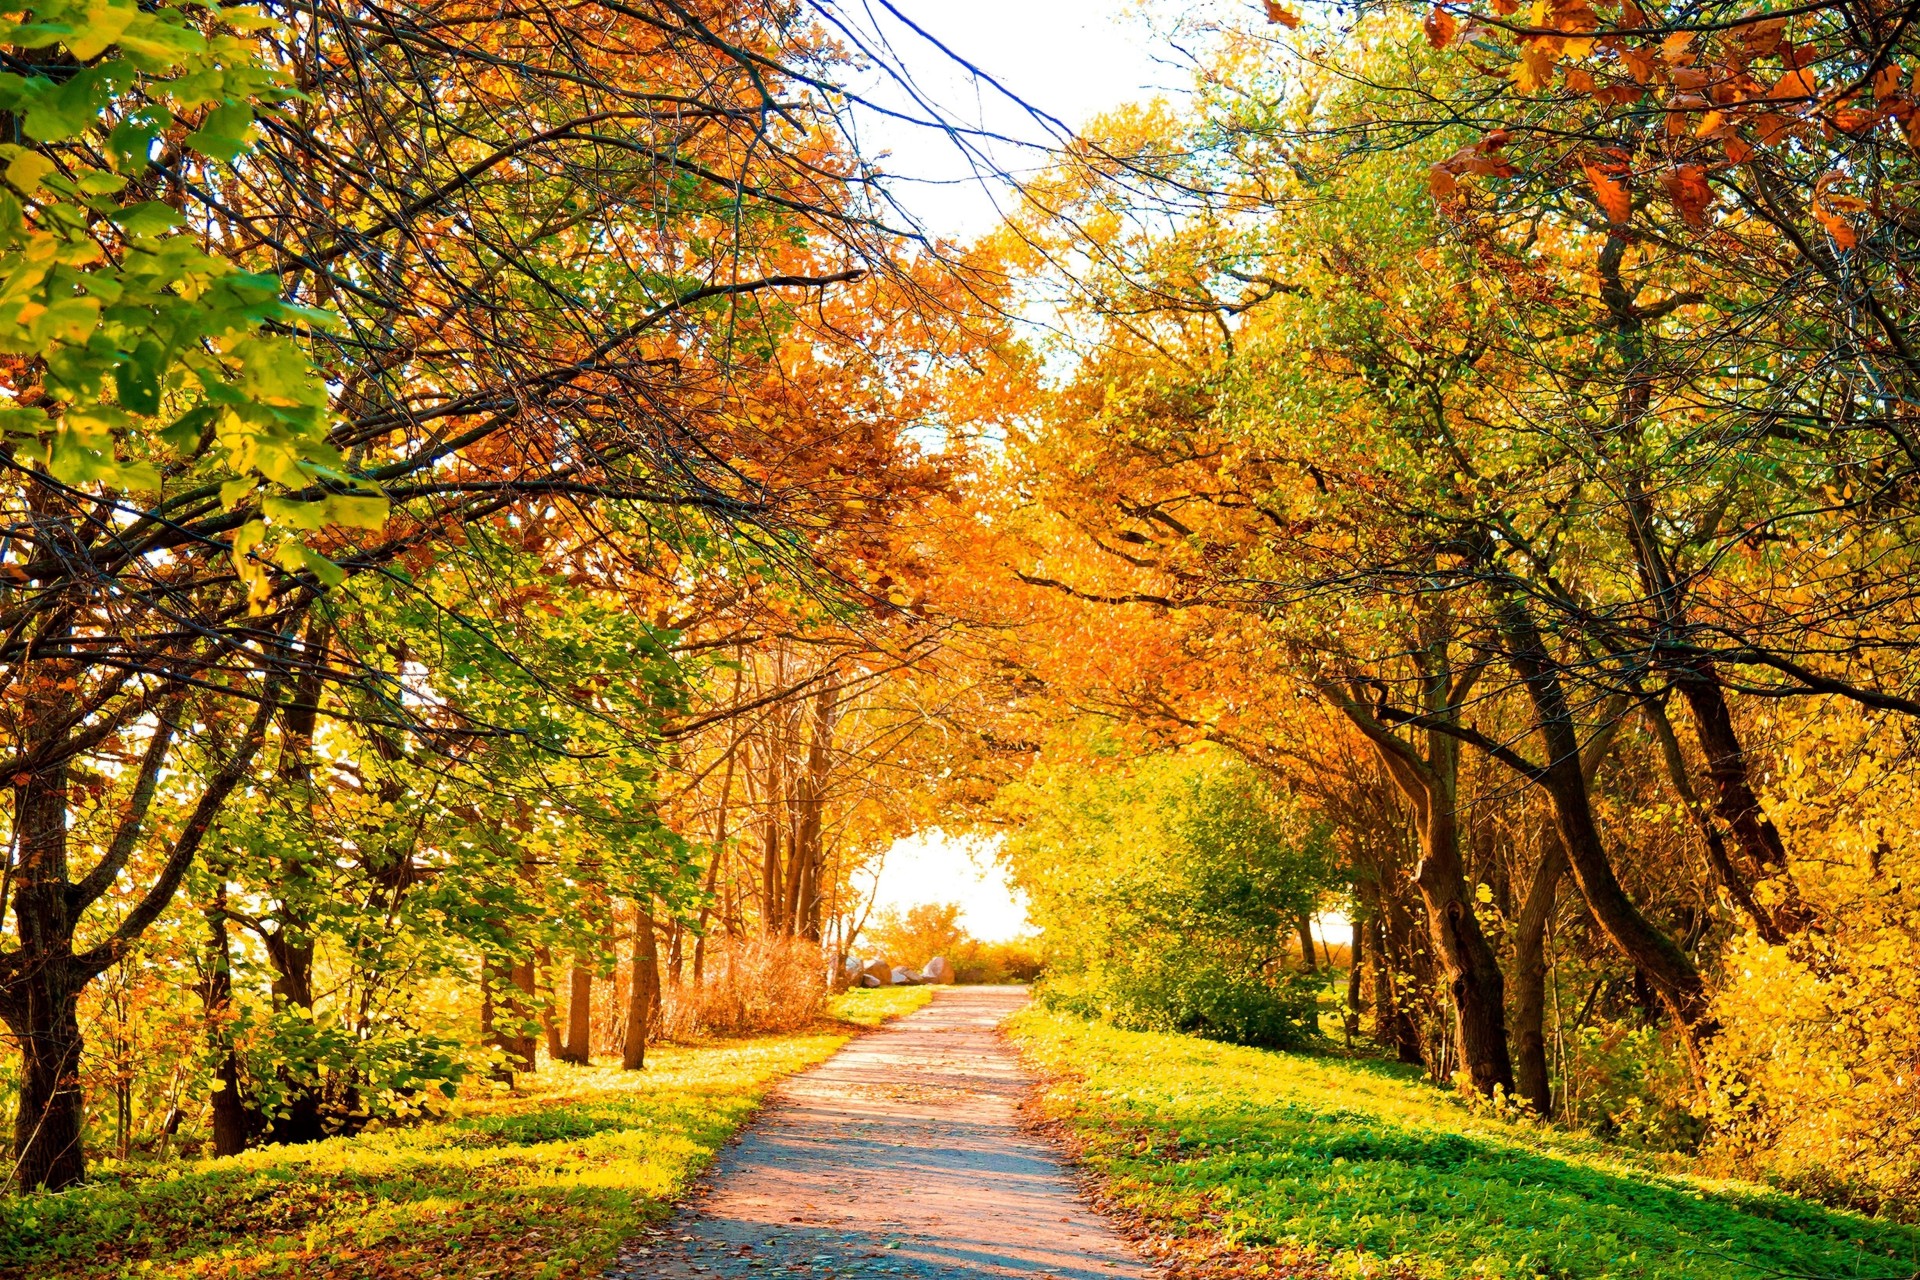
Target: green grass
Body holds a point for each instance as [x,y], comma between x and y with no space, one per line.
[1315,1164]
[538,1185]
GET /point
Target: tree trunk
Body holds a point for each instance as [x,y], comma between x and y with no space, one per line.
[1303,931]
[1529,1014]
[544,995]
[1430,783]
[1355,949]
[42,999]
[1566,784]
[643,991]
[234,1121]
[811,789]
[1474,980]
[579,1047]
[1713,846]
[525,1047]
[1394,1025]
[515,1046]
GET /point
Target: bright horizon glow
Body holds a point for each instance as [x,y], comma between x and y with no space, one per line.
[935,867]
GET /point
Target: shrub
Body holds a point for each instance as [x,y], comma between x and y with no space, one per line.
[1274,1011]
[750,986]
[994,962]
[1169,890]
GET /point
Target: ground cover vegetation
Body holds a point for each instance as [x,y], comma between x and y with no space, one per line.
[547,1180]
[502,531]
[1240,1159]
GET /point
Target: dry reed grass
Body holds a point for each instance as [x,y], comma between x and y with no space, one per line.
[751,986]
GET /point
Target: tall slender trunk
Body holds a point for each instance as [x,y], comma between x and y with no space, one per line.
[234,1120]
[290,946]
[643,990]
[579,1046]
[719,837]
[1529,1011]
[525,1047]
[811,793]
[505,992]
[1394,1024]
[1356,947]
[544,998]
[773,884]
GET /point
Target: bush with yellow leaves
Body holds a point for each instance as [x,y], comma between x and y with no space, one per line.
[1815,1069]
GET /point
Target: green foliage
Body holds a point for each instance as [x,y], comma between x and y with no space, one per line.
[150,347]
[1168,890]
[1361,1167]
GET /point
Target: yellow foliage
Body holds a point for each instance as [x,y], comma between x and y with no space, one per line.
[1816,1066]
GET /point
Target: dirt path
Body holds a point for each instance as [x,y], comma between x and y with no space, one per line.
[902,1155]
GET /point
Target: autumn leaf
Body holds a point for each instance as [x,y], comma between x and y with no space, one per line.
[1675,49]
[1738,148]
[1282,15]
[1886,82]
[1830,210]
[1577,80]
[1638,62]
[1534,71]
[1796,85]
[1770,128]
[1440,27]
[1686,185]
[1761,38]
[1613,196]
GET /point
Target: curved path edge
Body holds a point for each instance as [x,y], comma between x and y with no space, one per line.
[905,1154]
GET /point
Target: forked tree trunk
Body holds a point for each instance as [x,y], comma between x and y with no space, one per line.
[1430,782]
[1566,784]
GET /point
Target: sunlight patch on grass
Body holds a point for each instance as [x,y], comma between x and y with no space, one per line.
[1363,1169]
[871,1006]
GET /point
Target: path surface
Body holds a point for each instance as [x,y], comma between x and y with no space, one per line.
[903,1155]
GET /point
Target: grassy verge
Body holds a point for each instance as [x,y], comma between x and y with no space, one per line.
[1249,1162]
[540,1185]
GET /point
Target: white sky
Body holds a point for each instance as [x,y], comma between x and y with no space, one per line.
[1072,59]
[934,867]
